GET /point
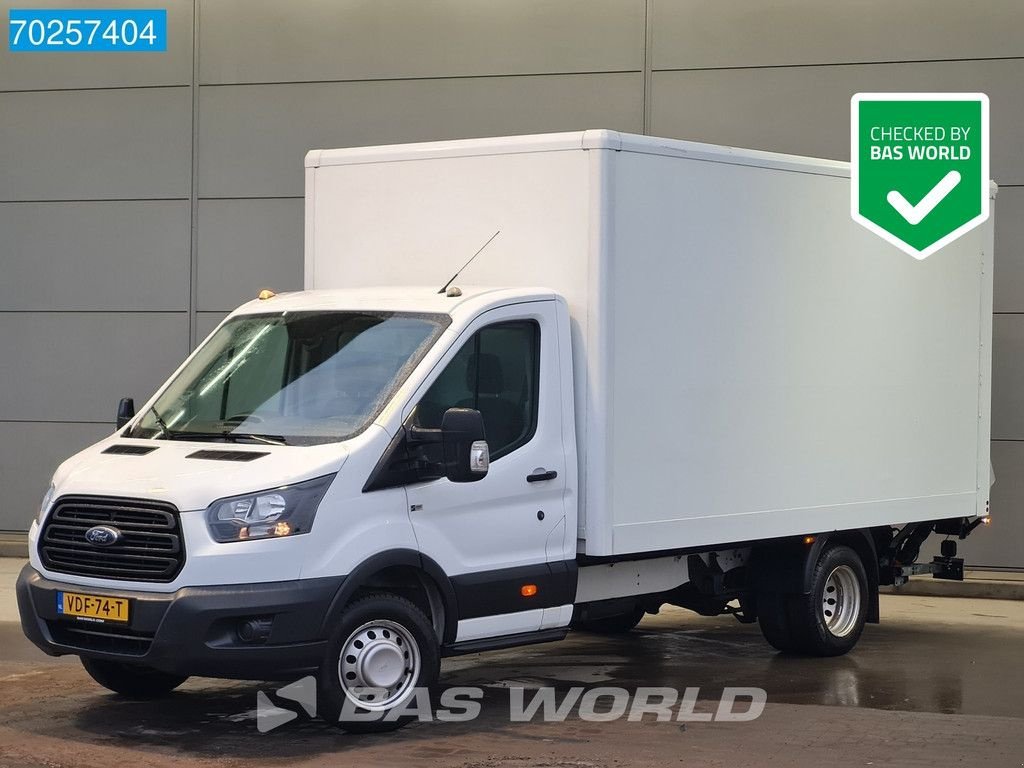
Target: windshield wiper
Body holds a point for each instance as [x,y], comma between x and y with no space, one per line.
[186,434]
[227,437]
[230,427]
[164,429]
[269,439]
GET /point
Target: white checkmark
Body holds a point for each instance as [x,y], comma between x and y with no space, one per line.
[915,213]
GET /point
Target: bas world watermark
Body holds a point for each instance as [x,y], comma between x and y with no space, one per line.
[459,704]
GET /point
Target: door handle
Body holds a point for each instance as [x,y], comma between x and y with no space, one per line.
[541,474]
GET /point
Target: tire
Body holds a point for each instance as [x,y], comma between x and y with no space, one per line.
[131,680]
[829,620]
[397,636]
[619,624]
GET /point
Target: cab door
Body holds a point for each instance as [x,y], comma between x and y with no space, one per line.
[493,537]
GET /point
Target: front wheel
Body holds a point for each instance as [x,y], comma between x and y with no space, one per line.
[131,680]
[382,656]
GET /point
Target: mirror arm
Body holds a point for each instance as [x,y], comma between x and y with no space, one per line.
[424,436]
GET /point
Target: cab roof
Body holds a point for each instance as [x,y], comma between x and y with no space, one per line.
[425,299]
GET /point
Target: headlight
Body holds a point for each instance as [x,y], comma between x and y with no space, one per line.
[285,511]
[44,505]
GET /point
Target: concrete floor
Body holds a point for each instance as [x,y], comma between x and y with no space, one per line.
[940,682]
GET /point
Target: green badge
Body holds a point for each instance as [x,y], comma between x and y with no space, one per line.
[919,166]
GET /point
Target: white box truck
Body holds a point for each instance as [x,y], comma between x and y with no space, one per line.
[674,373]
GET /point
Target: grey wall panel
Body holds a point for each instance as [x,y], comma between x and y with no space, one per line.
[267,41]
[1000,545]
[806,110]
[417,71]
[1008,377]
[29,453]
[74,366]
[206,322]
[237,161]
[1009,255]
[101,144]
[43,71]
[111,255]
[750,33]
[247,245]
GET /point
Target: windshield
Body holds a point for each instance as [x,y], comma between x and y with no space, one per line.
[295,378]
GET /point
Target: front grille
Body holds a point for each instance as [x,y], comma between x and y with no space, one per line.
[151,547]
[100,637]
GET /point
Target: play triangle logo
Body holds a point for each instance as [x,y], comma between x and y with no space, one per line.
[270,716]
[302,692]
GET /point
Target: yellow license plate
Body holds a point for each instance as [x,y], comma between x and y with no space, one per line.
[92,607]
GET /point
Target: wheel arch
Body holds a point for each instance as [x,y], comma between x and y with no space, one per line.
[410,573]
[786,566]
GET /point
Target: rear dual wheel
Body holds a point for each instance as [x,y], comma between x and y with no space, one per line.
[829,620]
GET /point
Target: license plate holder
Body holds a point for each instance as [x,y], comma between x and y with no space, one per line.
[80,606]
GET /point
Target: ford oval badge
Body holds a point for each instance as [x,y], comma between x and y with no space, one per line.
[102,535]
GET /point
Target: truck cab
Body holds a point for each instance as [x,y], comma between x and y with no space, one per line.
[316,446]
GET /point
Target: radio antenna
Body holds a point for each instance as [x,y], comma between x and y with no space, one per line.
[481,250]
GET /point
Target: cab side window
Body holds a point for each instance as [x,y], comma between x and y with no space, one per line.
[496,372]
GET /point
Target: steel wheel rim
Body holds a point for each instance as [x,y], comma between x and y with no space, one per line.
[379,665]
[840,601]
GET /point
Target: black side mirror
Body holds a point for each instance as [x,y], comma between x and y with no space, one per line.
[466,456]
[125,411]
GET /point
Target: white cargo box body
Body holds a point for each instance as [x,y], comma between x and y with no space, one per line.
[748,362]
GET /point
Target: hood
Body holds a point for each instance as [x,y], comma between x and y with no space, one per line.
[170,471]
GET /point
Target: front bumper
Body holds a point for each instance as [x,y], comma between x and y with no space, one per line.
[193,631]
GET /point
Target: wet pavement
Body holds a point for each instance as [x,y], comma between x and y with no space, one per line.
[940,682]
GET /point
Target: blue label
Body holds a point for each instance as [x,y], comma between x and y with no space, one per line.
[82,29]
[60,602]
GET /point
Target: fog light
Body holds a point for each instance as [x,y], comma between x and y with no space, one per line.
[255,630]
